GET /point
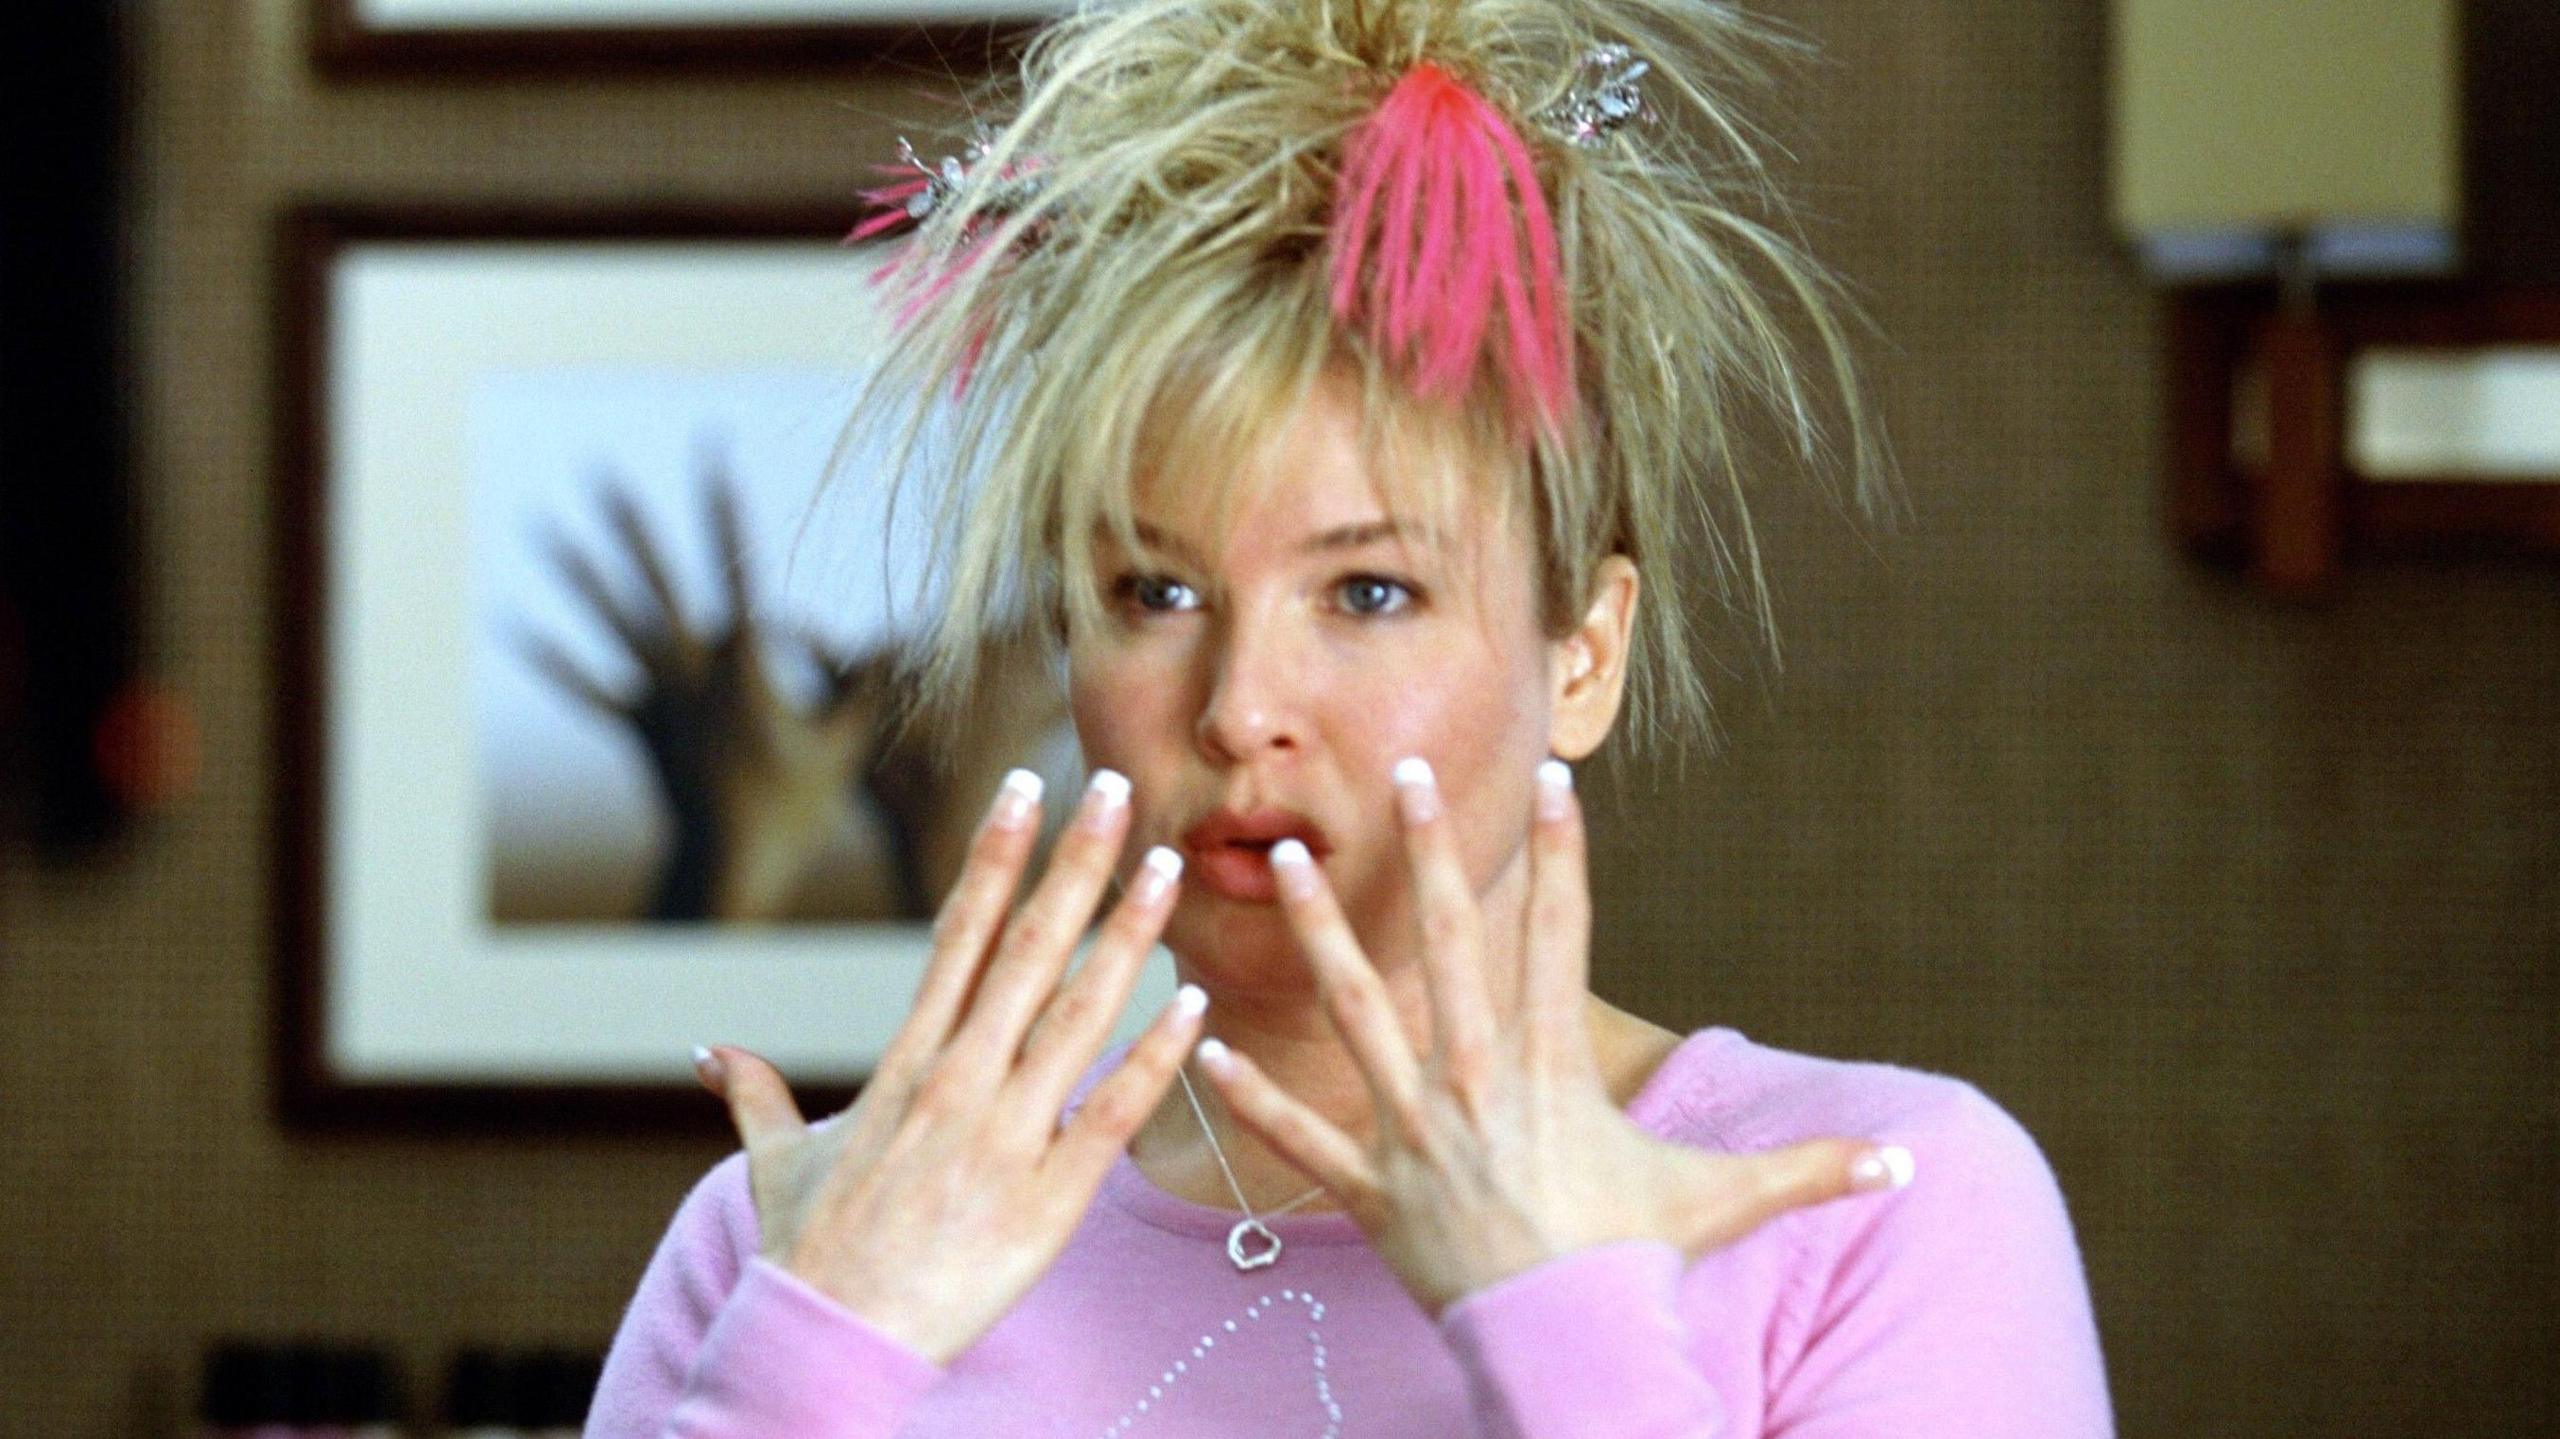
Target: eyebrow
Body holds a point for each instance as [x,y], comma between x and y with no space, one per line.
[1340,537]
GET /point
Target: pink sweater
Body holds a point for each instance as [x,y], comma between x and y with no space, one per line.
[1953,1309]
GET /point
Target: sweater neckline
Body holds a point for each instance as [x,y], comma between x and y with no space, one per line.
[1127,1187]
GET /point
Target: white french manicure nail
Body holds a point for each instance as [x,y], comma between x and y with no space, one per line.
[1213,1055]
[1417,792]
[1888,1168]
[1017,797]
[1109,788]
[1156,874]
[1190,1000]
[1293,868]
[1555,787]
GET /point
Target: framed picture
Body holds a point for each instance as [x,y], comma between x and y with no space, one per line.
[2429,421]
[361,36]
[584,617]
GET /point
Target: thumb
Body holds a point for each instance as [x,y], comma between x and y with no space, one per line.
[760,1103]
[1820,1170]
[1738,1193]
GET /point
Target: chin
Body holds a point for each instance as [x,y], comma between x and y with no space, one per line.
[1232,937]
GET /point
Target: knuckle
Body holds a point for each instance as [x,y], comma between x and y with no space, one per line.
[1467,1065]
[937,1097]
[1031,932]
[1351,1002]
[1444,928]
[1111,1110]
[957,917]
[1073,1010]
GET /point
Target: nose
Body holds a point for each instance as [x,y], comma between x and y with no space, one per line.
[1252,705]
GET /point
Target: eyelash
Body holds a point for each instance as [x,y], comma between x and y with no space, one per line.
[1126,589]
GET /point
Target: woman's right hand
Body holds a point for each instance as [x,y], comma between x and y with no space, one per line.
[934,1203]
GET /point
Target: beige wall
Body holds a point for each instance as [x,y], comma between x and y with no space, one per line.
[2247,911]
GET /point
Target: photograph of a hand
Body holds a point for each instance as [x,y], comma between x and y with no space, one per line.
[750,779]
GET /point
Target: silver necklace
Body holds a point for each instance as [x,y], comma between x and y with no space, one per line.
[1250,1226]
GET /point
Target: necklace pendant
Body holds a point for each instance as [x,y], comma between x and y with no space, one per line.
[1236,1244]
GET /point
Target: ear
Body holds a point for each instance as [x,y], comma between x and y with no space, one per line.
[1587,669]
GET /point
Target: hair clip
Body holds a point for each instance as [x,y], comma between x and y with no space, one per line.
[1604,98]
[928,188]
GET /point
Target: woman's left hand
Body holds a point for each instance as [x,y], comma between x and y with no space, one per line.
[1505,1149]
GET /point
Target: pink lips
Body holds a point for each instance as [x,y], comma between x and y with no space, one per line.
[1230,853]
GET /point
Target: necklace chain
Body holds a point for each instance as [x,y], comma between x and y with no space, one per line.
[1251,1223]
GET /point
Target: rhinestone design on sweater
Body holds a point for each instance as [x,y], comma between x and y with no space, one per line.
[1201,1351]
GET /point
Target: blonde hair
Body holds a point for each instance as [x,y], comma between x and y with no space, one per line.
[1158,293]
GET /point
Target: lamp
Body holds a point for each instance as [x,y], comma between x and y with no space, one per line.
[2299,140]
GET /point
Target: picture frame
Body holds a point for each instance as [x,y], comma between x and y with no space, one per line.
[462,394]
[2221,506]
[359,38]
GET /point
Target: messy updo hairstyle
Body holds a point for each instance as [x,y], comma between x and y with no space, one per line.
[1181,214]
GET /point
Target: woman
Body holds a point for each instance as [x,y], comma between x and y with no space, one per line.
[1334,374]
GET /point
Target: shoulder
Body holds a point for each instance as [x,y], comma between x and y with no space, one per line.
[1722,1090]
[1964,1293]
[1972,1159]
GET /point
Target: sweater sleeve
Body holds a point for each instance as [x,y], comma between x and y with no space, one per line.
[1587,1344]
[719,1342]
[1952,1309]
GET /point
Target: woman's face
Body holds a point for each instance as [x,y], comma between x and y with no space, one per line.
[1270,687]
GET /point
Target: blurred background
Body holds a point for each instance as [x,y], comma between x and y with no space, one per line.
[2227,860]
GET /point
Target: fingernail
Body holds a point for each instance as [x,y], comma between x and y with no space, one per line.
[1417,793]
[708,1065]
[1555,789]
[1016,799]
[1888,1168]
[1108,791]
[1294,868]
[1189,1001]
[1214,1057]
[1156,874]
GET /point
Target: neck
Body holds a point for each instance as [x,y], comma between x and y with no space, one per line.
[1263,1004]
[1268,1010]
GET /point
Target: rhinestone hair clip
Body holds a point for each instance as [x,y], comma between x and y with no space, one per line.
[1604,98]
[925,188]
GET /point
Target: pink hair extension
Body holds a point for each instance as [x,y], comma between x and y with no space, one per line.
[1424,271]
[913,277]
[892,203]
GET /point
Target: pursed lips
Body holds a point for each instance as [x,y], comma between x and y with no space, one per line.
[1230,852]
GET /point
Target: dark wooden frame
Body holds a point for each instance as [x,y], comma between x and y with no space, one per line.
[2294,532]
[309,1096]
[344,45]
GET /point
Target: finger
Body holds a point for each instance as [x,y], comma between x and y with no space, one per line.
[760,1104]
[1355,999]
[624,514]
[1462,1023]
[965,928]
[1041,937]
[581,572]
[1100,1130]
[728,531]
[1557,964]
[1752,1189]
[555,665]
[1293,1131]
[1072,1028]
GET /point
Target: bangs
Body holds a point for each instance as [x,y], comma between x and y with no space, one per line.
[1193,412]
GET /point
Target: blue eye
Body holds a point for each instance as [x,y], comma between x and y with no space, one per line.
[1154,594]
[1374,595]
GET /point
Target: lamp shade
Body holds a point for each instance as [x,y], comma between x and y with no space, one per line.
[2336,121]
